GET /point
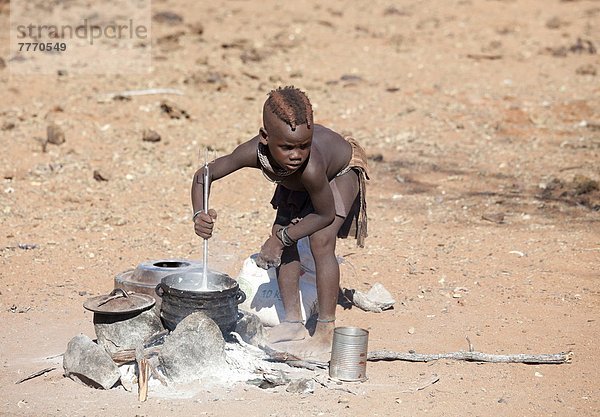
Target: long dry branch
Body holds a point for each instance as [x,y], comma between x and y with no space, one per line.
[552,358]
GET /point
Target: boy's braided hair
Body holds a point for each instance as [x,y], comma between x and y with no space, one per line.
[291,106]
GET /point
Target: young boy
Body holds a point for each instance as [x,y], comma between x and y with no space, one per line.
[320,193]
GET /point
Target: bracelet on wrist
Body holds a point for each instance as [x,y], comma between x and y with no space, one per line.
[196,214]
[283,236]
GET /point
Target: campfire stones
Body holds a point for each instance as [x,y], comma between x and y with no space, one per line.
[126,331]
[195,349]
[86,362]
[251,329]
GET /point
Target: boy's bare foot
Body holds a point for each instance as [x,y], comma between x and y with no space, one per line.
[316,348]
[287,331]
[307,349]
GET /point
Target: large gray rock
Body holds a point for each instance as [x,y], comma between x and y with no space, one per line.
[86,362]
[195,349]
[118,332]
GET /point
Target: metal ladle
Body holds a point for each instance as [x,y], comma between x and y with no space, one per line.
[205,259]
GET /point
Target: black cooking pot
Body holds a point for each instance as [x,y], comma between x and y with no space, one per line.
[183,294]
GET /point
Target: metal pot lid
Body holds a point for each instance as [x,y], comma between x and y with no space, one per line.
[151,272]
[119,301]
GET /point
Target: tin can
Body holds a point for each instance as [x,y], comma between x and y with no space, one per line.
[349,354]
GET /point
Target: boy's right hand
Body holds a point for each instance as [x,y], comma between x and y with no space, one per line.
[204,222]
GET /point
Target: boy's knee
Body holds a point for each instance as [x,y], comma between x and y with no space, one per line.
[322,242]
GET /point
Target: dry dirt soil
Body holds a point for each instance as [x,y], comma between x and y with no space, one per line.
[482,122]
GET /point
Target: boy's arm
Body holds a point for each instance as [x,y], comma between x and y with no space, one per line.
[317,185]
[242,156]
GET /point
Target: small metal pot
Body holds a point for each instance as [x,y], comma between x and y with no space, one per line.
[183,294]
[144,278]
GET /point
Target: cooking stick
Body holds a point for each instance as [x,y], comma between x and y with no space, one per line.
[206,186]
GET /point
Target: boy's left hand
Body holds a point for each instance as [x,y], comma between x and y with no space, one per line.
[270,253]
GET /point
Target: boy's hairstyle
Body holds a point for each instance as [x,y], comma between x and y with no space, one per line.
[291,106]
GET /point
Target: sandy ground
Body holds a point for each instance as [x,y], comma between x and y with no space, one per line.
[482,121]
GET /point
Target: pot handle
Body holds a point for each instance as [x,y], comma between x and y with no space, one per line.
[114,292]
[240,296]
[159,290]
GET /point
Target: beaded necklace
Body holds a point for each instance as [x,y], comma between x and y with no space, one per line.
[265,165]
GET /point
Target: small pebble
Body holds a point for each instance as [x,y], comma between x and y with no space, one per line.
[55,134]
[411,330]
[151,136]
[99,176]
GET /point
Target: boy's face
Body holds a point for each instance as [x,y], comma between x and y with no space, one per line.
[289,148]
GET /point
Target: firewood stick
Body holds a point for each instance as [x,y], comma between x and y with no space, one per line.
[291,360]
[144,372]
[554,358]
[36,374]
[157,374]
[128,355]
